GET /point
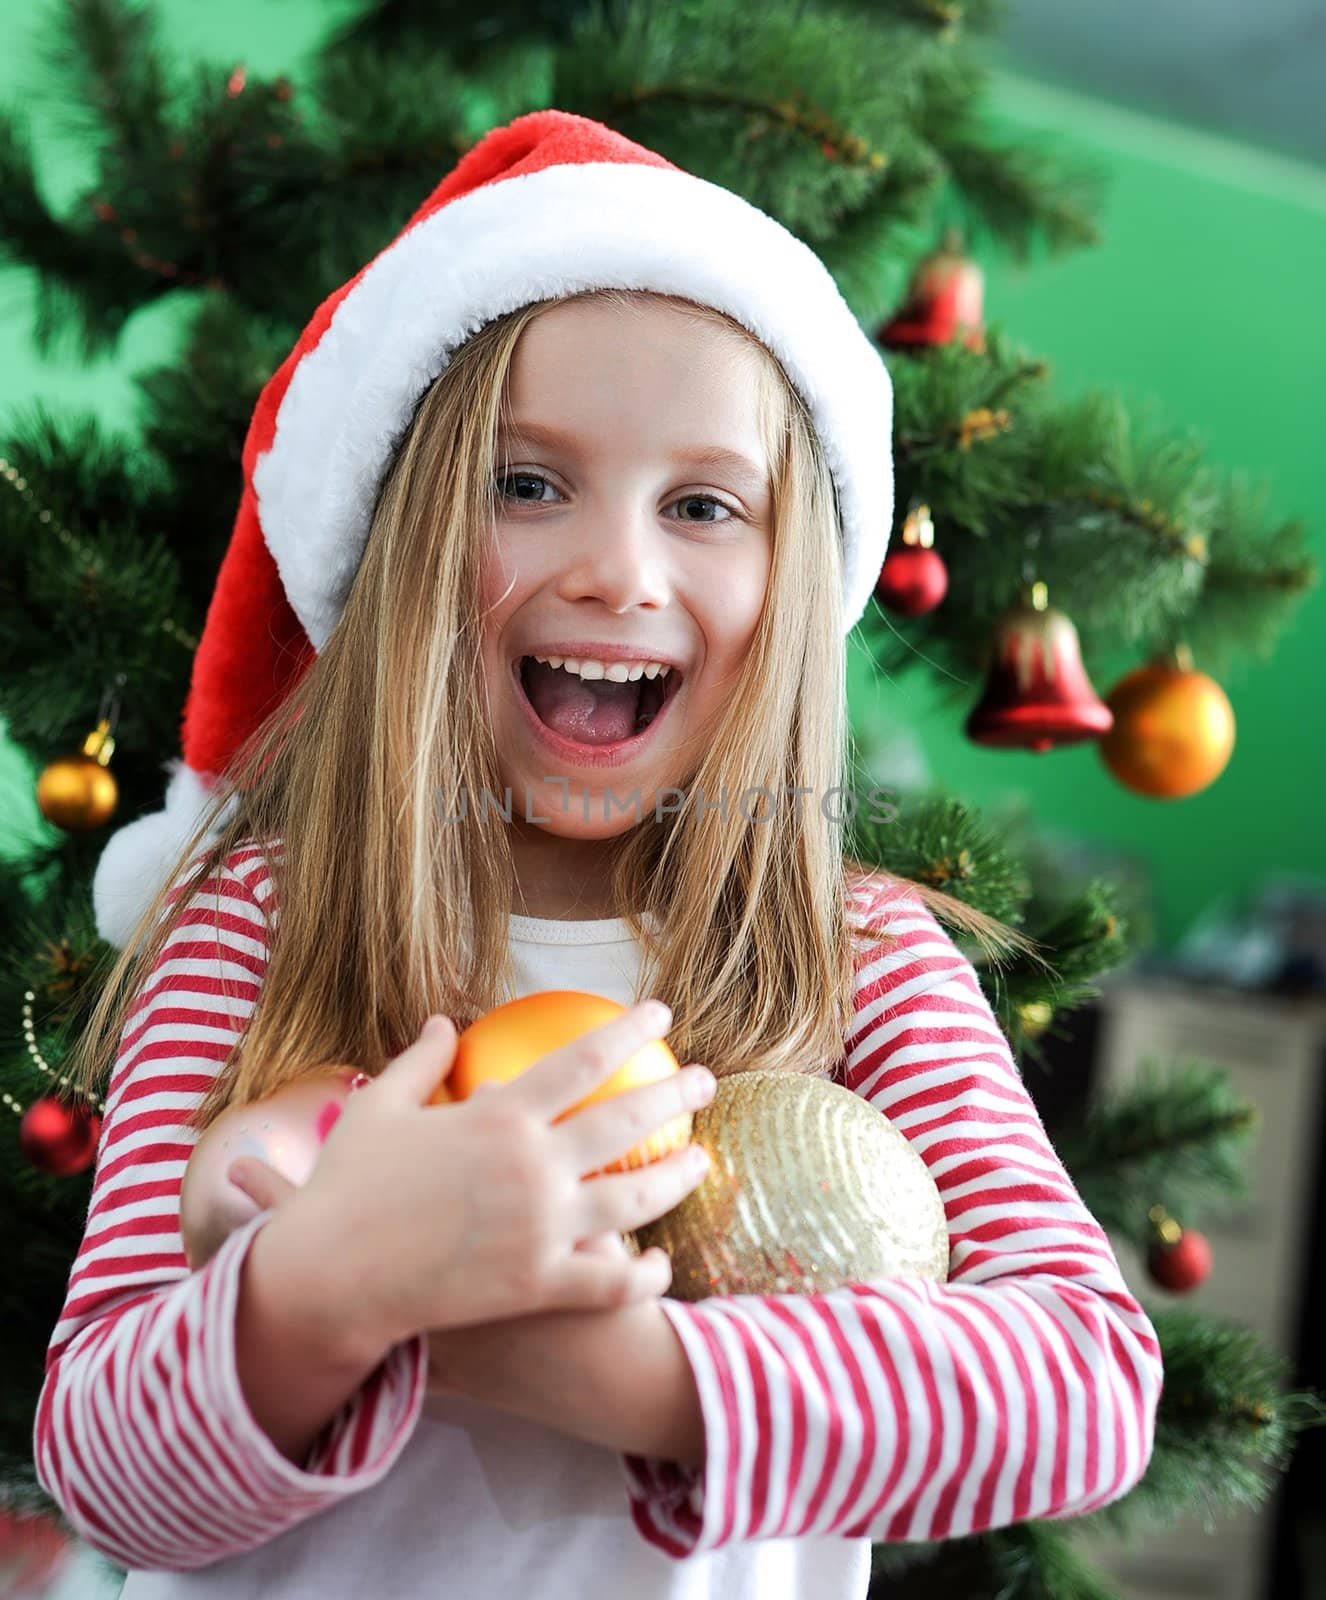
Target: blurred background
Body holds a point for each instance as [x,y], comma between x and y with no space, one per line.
[1204,301]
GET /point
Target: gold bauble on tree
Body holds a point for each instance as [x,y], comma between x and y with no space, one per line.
[1034,1016]
[809,1188]
[1173,728]
[78,792]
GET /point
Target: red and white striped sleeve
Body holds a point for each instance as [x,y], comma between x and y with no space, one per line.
[1025,1386]
[142,1433]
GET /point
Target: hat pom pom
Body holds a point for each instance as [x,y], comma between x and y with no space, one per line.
[137,858]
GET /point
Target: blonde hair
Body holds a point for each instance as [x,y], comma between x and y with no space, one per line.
[387,915]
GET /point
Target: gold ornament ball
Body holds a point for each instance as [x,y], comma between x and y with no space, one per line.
[77,793]
[1035,1016]
[1173,731]
[809,1188]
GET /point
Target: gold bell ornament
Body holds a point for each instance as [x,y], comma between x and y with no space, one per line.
[1037,693]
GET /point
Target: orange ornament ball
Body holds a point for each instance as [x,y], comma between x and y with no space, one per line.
[500,1046]
[1173,731]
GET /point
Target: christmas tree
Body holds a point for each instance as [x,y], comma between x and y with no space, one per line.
[1038,541]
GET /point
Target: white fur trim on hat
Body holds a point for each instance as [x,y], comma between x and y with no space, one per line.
[537,236]
[132,866]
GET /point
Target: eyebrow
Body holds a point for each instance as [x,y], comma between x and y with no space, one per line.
[703,455]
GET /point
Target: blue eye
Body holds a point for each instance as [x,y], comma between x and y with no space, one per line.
[707,500]
[515,477]
[536,477]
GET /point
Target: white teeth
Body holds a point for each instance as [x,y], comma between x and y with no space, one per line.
[616,671]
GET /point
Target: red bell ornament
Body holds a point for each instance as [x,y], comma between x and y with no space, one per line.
[1037,693]
[944,300]
[913,579]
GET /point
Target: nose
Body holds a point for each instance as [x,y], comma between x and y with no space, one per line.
[618,558]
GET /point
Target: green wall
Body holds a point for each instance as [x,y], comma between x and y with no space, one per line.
[1199,299]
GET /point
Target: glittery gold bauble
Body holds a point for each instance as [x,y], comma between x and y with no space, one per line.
[809,1187]
[77,793]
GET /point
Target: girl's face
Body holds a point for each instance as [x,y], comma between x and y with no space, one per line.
[632,526]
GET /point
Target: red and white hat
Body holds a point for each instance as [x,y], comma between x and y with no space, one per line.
[550,205]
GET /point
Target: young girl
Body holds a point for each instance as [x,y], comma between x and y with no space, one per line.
[524,671]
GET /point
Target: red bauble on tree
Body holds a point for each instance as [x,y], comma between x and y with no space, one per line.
[1179,1258]
[913,579]
[59,1138]
[33,1549]
[945,300]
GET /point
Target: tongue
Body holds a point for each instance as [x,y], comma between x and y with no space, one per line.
[597,712]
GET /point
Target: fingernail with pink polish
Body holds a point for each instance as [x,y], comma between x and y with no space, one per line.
[327,1119]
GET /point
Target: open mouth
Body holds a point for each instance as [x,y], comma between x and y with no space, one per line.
[594,711]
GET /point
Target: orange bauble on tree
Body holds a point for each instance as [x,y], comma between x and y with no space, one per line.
[505,1041]
[1173,728]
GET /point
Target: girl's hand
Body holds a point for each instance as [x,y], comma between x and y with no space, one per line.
[458,1357]
[420,1216]
[452,1352]
[269,1188]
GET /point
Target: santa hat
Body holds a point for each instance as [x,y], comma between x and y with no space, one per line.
[550,205]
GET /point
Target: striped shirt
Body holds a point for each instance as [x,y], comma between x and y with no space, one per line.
[1025,1386]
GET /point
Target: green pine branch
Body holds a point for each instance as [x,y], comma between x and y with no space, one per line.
[1138,539]
[1178,1131]
[1225,1428]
